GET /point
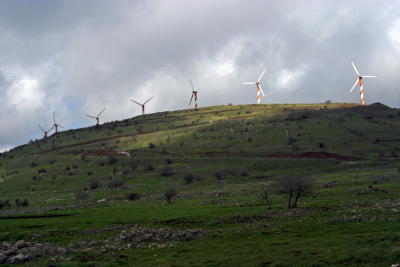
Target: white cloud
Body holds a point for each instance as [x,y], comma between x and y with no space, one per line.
[290,79]
[394,35]
[26,95]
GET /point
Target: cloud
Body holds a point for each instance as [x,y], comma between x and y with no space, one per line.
[76,57]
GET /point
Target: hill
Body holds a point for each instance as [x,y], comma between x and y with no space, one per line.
[97,194]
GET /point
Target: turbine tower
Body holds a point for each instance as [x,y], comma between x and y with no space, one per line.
[194,95]
[360,82]
[259,90]
[97,117]
[142,105]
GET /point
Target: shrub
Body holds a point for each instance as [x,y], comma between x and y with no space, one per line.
[244,173]
[169,161]
[188,178]
[149,167]
[21,203]
[133,196]
[167,171]
[94,184]
[34,164]
[112,160]
[219,175]
[152,146]
[5,204]
[169,194]
[115,184]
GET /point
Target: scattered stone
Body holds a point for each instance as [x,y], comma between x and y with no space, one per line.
[331,184]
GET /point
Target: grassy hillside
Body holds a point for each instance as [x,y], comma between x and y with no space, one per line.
[220,160]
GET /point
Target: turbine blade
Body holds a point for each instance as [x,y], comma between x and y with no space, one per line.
[135,102]
[41,128]
[369,76]
[54,118]
[101,112]
[148,100]
[249,83]
[354,66]
[262,74]
[191,85]
[259,86]
[190,102]
[90,116]
[354,85]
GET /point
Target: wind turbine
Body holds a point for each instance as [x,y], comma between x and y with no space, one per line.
[97,117]
[142,105]
[44,131]
[360,81]
[194,95]
[55,125]
[258,87]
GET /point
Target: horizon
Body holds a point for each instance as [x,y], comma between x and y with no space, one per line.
[82,56]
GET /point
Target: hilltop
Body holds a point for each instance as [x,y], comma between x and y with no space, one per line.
[103,180]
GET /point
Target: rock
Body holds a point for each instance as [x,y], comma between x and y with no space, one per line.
[3,258]
[20,244]
[19,258]
[6,244]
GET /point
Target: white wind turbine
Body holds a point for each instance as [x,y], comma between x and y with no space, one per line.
[142,105]
[97,117]
[360,82]
[258,87]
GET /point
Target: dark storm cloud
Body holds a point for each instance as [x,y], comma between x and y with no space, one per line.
[76,57]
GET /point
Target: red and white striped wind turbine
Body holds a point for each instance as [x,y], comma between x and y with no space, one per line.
[45,132]
[97,117]
[360,82]
[258,87]
[55,125]
[142,105]
[194,95]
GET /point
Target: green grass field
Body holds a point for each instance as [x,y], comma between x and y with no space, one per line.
[77,182]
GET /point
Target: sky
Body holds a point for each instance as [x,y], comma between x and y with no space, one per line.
[76,57]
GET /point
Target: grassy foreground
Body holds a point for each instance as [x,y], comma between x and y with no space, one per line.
[219,160]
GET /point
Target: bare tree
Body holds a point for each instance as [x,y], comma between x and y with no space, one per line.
[265,192]
[169,194]
[295,187]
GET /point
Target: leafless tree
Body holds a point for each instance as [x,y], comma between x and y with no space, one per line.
[169,194]
[295,187]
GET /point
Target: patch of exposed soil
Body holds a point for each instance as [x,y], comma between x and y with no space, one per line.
[314,155]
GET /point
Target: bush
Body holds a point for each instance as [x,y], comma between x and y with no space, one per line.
[42,171]
[219,175]
[21,203]
[167,171]
[94,184]
[5,204]
[189,178]
[34,164]
[152,146]
[149,167]
[169,194]
[112,160]
[133,196]
[115,184]
[169,161]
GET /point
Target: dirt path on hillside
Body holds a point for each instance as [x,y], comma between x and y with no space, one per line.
[115,137]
